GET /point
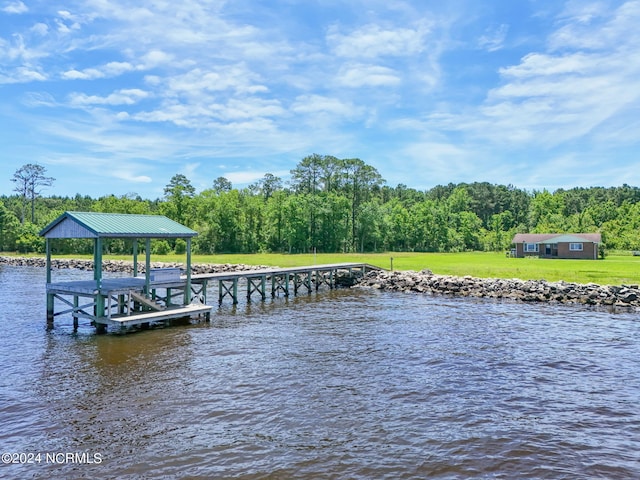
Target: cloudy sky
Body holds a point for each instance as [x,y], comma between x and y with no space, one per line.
[115,96]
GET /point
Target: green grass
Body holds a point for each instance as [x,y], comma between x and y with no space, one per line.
[614,270]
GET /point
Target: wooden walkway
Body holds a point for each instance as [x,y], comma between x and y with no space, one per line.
[123,321]
[116,302]
[278,280]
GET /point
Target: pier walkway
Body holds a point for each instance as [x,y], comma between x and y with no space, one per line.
[278,280]
[129,301]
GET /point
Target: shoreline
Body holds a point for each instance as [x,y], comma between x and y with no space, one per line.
[529,291]
[408,281]
[124,266]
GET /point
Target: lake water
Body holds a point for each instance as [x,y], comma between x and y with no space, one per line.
[344,384]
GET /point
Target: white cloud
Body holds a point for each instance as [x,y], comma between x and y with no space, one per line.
[540,64]
[554,97]
[120,97]
[371,41]
[320,104]
[40,29]
[493,39]
[361,75]
[593,26]
[167,83]
[39,99]
[23,75]
[111,69]
[244,177]
[199,81]
[131,177]
[250,108]
[15,8]
[155,58]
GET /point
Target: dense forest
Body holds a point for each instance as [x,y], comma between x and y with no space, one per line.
[334,205]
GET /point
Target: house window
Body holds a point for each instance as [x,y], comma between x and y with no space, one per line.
[530,247]
[575,247]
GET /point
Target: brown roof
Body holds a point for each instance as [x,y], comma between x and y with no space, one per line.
[550,237]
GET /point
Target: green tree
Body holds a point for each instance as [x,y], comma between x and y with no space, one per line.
[268,185]
[398,226]
[333,228]
[368,226]
[29,180]
[130,203]
[179,195]
[296,226]
[359,181]
[222,185]
[546,213]
[252,221]
[9,229]
[28,240]
[274,221]
[498,236]
[306,177]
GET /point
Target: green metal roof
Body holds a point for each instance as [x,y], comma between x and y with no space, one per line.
[114,225]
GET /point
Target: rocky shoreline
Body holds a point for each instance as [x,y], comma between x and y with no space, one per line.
[123,266]
[425,281]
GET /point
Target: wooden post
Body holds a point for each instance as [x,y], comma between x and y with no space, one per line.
[48,261]
[187,291]
[147,273]
[135,257]
[97,273]
[121,303]
[76,303]
[203,292]
[50,297]
[235,290]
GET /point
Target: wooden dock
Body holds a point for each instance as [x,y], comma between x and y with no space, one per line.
[142,318]
[279,280]
[124,302]
[136,301]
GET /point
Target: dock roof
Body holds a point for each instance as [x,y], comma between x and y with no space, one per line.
[114,225]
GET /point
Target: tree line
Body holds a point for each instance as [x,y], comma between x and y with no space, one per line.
[334,205]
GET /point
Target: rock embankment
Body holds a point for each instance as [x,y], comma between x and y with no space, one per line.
[514,289]
[122,265]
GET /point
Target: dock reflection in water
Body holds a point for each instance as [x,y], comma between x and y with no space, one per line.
[344,384]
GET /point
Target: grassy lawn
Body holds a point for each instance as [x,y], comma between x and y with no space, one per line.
[614,270]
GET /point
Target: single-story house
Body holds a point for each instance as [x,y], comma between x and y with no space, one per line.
[557,245]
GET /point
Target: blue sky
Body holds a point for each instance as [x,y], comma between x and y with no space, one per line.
[114,96]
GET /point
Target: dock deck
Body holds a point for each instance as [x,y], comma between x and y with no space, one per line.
[117,302]
[171,313]
[282,271]
[280,279]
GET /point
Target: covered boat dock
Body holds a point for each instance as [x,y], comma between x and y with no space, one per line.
[161,294]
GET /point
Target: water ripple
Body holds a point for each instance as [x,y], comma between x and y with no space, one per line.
[343,384]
